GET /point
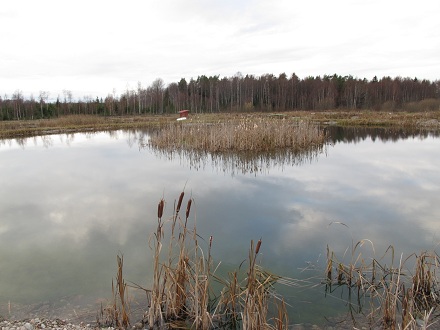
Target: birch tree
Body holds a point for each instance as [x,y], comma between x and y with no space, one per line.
[44,96]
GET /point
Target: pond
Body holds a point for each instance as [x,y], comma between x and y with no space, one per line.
[70,203]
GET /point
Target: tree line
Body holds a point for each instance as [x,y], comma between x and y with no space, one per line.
[237,93]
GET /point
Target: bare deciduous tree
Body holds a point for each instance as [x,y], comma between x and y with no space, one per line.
[44,96]
[157,89]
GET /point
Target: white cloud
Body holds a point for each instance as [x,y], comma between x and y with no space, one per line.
[91,47]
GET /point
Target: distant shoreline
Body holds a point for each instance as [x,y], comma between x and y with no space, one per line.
[93,123]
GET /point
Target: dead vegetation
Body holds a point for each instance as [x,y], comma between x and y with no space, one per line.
[249,145]
[74,124]
[182,295]
[403,294]
[396,296]
[251,134]
[81,123]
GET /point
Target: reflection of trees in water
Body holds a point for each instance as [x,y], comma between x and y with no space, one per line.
[357,134]
[240,162]
[22,142]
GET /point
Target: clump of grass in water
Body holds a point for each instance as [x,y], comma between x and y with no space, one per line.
[397,298]
[184,285]
[246,145]
[181,296]
[248,134]
[116,314]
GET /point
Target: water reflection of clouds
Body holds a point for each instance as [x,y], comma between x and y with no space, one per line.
[387,183]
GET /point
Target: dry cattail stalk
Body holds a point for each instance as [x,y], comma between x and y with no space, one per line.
[160,207]
[188,208]
[258,246]
[179,203]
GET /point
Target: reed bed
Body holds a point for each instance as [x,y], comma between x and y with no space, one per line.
[182,295]
[247,144]
[255,134]
[393,296]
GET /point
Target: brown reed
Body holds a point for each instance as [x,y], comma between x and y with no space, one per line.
[181,295]
[155,312]
[392,303]
[80,123]
[122,291]
[248,134]
[117,313]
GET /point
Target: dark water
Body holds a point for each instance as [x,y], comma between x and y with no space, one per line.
[70,203]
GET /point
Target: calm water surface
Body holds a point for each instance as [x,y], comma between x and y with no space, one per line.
[70,203]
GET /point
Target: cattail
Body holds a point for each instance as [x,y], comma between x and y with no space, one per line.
[188,208]
[258,246]
[160,207]
[373,272]
[210,241]
[329,269]
[179,203]
[340,273]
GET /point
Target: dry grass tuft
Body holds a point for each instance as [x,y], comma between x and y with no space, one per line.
[117,313]
[253,134]
[182,296]
[246,145]
[398,298]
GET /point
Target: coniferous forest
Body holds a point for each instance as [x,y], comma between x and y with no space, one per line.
[238,93]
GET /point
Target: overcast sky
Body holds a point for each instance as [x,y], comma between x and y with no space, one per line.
[91,47]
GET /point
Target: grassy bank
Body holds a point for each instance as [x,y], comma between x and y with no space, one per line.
[75,123]
[82,123]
